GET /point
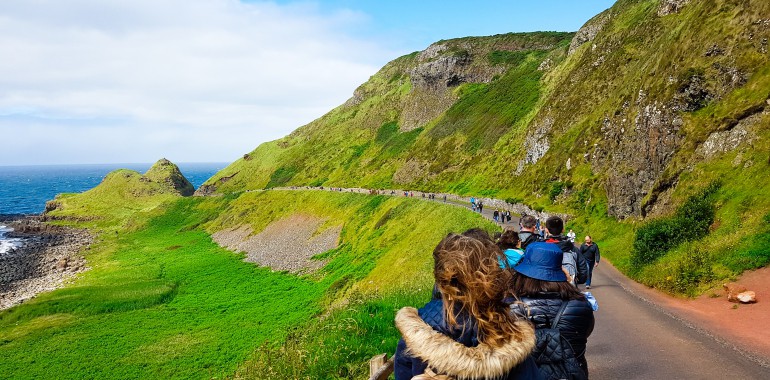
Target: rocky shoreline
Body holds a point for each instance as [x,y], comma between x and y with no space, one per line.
[48,257]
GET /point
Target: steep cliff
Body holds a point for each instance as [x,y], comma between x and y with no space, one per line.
[608,118]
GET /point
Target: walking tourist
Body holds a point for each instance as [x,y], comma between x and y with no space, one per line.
[469,310]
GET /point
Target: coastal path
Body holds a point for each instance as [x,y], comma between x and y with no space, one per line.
[635,336]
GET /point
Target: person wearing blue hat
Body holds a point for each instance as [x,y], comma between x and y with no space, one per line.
[546,297]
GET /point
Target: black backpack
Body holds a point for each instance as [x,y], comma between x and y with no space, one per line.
[554,355]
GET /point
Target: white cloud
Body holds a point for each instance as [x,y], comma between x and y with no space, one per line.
[133,80]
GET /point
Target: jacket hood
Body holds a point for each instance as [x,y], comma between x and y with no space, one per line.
[447,356]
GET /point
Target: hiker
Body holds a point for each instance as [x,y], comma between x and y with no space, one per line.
[527,233]
[508,216]
[571,236]
[444,198]
[494,343]
[573,261]
[510,244]
[590,251]
[546,298]
[496,215]
[481,207]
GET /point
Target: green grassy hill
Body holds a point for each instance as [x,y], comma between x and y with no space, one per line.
[162,300]
[649,126]
[647,105]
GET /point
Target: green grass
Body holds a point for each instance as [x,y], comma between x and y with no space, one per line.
[164,301]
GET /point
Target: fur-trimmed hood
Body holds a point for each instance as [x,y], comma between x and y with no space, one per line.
[446,356]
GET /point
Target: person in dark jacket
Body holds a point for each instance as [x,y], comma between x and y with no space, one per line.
[574,262]
[527,232]
[590,251]
[494,343]
[541,286]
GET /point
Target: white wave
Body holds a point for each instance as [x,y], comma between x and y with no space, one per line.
[7,244]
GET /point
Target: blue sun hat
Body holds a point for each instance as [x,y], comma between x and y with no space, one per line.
[542,261]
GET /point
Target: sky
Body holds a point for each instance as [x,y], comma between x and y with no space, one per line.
[127,81]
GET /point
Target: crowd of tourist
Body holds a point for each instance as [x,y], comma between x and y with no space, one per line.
[507,306]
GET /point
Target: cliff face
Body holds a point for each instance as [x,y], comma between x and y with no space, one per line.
[613,115]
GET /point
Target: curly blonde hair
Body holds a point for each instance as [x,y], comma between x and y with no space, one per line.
[468,274]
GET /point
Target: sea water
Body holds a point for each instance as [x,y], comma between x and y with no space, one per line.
[25,189]
[7,244]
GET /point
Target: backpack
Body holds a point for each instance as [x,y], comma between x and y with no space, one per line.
[581,264]
[554,355]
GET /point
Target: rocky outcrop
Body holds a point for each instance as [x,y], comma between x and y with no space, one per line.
[439,69]
[167,173]
[668,7]
[635,154]
[536,144]
[48,257]
[588,31]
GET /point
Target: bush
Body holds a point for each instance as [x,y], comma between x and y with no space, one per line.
[556,189]
[690,271]
[690,222]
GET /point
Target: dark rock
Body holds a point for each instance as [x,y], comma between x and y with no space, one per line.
[713,51]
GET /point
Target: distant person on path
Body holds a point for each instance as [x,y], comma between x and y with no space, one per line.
[571,236]
[481,207]
[496,215]
[527,233]
[542,287]
[508,216]
[444,198]
[470,310]
[590,251]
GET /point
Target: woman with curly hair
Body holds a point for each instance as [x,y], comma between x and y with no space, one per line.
[468,331]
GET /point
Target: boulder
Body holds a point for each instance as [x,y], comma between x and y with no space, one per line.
[747,297]
[733,290]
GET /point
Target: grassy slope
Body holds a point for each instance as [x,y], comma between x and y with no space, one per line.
[361,145]
[163,300]
[475,146]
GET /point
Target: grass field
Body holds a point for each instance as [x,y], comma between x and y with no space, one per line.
[164,301]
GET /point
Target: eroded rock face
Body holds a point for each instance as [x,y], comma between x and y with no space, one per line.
[536,144]
[588,31]
[411,171]
[439,70]
[668,7]
[725,141]
[635,154]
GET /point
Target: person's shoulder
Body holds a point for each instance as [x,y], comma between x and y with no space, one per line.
[433,313]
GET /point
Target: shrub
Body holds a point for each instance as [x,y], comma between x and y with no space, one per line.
[556,189]
[690,222]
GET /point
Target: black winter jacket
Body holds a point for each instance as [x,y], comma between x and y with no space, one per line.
[576,323]
[590,252]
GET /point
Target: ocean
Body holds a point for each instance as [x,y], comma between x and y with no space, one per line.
[25,189]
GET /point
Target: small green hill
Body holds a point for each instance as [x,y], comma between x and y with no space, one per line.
[122,193]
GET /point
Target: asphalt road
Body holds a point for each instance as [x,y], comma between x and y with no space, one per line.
[636,339]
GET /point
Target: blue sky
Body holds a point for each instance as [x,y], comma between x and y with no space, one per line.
[413,25]
[88,81]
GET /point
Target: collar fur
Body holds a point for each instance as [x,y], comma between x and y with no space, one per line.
[447,356]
